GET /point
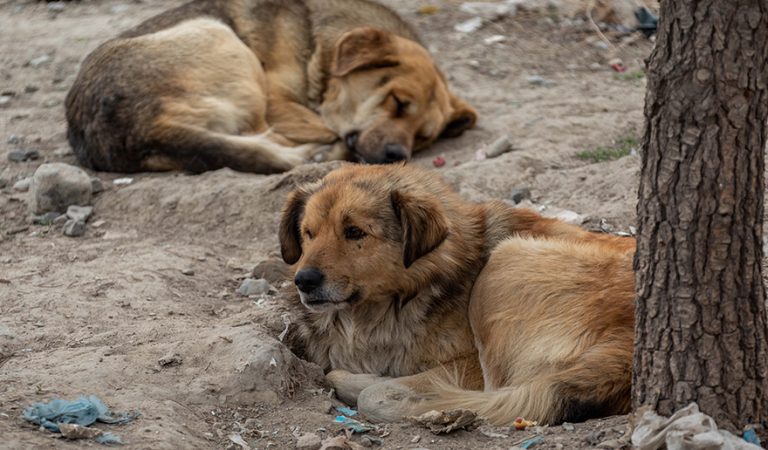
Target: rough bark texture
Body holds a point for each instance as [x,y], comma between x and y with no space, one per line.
[701,315]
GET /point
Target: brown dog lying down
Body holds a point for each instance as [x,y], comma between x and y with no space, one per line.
[260,86]
[403,282]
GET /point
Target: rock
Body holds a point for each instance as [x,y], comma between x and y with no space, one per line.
[519,194]
[188,272]
[46,219]
[61,220]
[594,437]
[56,186]
[613,444]
[119,8]
[9,342]
[4,183]
[499,147]
[273,270]
[80,213]
[31,89]
[170,360]
[326,407]
[250,286]
[22,185]
[440,422]
[5,100]
[23,155]
[96,185]
[122,181]
[567,426]
[75,431]
[538,80]
[309,441]
[55,7]
[569,217]
[13,140]
[62,152]
[74,228]
[39,61]
[469,26]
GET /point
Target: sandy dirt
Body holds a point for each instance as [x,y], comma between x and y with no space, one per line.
[98,314]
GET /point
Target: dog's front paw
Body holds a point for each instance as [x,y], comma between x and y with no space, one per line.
[331,152]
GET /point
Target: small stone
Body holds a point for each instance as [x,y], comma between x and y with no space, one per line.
[309,441]
[250,286]
[51,102]
[96,185]
[469,26]
[120,8]
[499,147]
[60,220]
[519,194]
[326,407]
[31,88]
[171,359]
[567,426]
[5,100]
[81,213]
[3,183]
[188,272]
[22,185]
[415,439]
[13,139]
[538,80]
[39,61]
[23,155]
[98,224]
[62,152]
[46,219]
[612,444]
[594,437]
[55,7]
[122,181]
[56,186]
[74,228]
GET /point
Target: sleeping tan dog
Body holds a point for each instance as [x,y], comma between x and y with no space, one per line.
[402,283]
[260,86]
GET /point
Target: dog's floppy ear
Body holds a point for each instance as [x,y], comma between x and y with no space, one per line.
[363,48]
[423,223]
[290,232]
[462,117]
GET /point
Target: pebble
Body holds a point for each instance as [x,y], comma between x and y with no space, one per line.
[538,80]
[499,147]
[96,185]
[119,8]
[567,426]
[171,359]
[251,286]
[122,181]
[5,100]
[39,61]
[13,139]
[309,441]
[22,185]
[519,194]
[3,183]
[63,151]
[56,186]
[79,213]
[23,155]
[74,228]
[469,26]
[98,223]
[56,7]
[612,444]
[31,88]
[46,219]
[188,272]
[594,437]
[489,10]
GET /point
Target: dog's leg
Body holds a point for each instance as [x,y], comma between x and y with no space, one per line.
[349,385]
[301,125]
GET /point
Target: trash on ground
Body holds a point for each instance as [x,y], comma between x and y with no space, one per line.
[499,147]
[647,21]
[751,436]
[490,10]
[347,411]
[122,181]
[352,424]
[532,442]
[469,26]
[84,411]
[522,424]
[687,429]
[440,422]
[617,65]
[427,10]
[340,443]
[237,439]
[438,162]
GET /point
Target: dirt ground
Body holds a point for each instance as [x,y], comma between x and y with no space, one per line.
[112,314]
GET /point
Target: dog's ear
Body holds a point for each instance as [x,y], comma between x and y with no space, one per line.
[462,117]
[363,48]
[290,223]
[423,223]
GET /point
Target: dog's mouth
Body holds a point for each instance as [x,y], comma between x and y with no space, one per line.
[323,303]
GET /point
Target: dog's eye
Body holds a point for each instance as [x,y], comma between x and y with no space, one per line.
[400,106]
[353,233]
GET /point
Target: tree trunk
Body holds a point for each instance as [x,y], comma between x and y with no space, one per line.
[700,332]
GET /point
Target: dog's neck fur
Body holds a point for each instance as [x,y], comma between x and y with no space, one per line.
[375,336]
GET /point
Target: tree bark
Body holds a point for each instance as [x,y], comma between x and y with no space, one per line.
[700,332]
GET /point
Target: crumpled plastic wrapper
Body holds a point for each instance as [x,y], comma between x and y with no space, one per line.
[441,422]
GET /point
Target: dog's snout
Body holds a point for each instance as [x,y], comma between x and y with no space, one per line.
[394,153]
[309,279]
[351,140]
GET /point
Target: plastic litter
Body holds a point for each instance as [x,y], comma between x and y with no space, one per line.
[687,429]
[84,411]
[347,411]
[522,424]
[440,422]
[750,436]
[532,442]
[438,162]
[352,424]
[647,21]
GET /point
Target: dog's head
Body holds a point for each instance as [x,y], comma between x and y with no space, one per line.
[387,99]
[361,235]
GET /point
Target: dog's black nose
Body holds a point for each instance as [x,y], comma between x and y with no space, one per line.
[309,279]
[394,153]
[351,140]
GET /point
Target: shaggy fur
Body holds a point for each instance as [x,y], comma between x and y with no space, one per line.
[527,316]
[260,86]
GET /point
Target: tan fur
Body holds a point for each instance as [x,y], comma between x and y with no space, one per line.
[260,86]
[447,304]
